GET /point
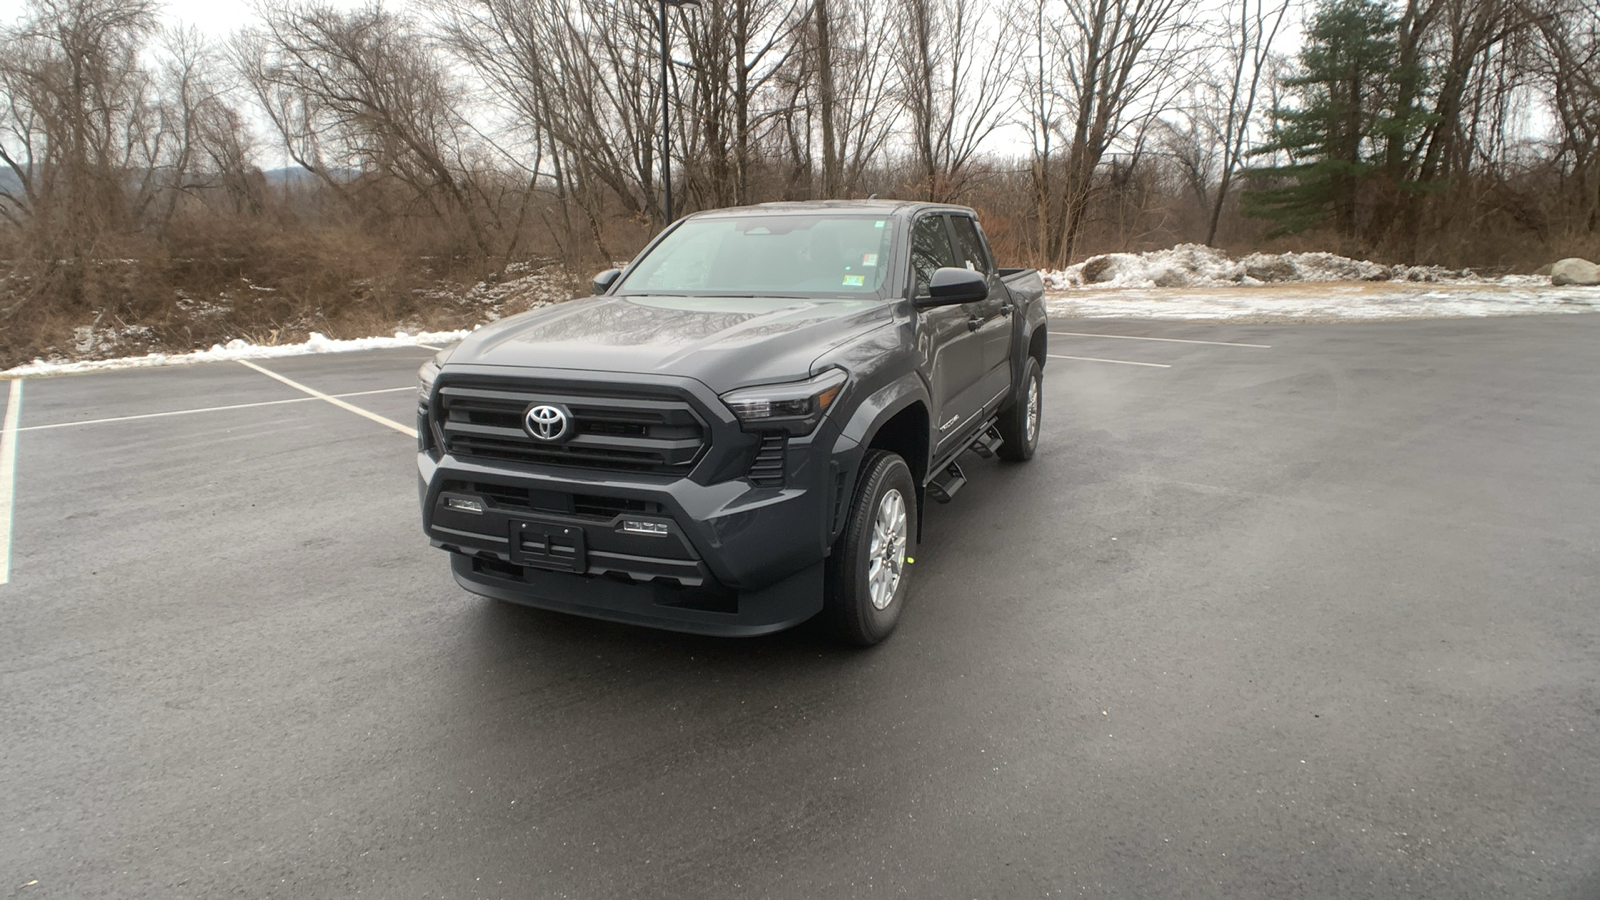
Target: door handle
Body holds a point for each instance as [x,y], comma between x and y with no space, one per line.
[975,322]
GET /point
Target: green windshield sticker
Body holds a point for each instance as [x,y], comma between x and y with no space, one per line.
[854,280]
[878,224]
[869,259]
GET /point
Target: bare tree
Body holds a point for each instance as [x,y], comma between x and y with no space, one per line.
[1566,65]
[1248,42]
[79,118]
[736,50]
[952,79]
[854,86]
[1119,60]
[360,91]
[576,81]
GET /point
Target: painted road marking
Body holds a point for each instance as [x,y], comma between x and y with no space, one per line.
[1134,337]
[187,412]
[350,407]
[8,474]
[1120,362]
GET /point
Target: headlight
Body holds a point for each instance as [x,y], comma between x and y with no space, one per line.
[426,376]
[796,406]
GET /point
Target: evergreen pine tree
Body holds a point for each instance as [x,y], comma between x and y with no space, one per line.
[1335,134]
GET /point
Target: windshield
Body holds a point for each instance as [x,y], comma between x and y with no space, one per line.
[768,255]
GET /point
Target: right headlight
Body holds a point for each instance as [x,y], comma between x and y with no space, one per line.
[794,406]
[426,376]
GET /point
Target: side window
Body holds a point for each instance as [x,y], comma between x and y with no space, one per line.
[930,250]
[969,246]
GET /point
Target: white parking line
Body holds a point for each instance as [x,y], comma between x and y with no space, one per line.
[1167,340]
[1120,362]
[8,474]
[187,412]
[403,429]
[1135,337]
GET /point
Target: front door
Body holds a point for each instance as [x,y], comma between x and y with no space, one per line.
[951,348]
[991,319]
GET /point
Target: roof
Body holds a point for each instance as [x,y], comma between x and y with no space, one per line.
[885,207]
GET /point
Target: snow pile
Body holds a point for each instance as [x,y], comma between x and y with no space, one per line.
[1196,265]
[524,286]
[527,286]
[238,349]
[1326,302]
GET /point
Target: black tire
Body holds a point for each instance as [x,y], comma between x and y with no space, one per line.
[848,603]
[1020,439]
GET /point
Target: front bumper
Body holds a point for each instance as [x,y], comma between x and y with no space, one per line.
[742,614]
[725,558]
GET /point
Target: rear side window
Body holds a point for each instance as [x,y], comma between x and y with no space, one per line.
[969,246]
[930,250]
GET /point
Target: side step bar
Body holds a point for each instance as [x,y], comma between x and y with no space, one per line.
[949,479]
[945,484]
[987,442]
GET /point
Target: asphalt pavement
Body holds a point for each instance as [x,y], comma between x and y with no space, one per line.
[1305,611]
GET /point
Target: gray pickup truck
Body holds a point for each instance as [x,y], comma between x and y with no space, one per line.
[740,429]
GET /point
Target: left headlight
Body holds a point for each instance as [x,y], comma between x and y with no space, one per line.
[795,406]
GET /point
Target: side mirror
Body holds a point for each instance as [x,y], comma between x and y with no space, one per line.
[605,280]
[950,286]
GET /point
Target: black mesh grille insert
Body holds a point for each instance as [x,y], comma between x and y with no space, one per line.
[510,497]
[659,434]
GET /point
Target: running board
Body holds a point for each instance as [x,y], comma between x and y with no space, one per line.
[987,443]
[945,484]
[949,478]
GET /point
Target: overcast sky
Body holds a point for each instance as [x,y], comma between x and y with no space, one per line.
[218,18]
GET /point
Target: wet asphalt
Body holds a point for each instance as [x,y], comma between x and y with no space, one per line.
[1317,619]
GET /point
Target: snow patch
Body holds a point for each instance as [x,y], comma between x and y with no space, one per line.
[1325,302]
[1196,265]
[237,349]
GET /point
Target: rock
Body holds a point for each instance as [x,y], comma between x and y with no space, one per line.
[1574,271]
[1097,269]
[1544,270]
[1270,269]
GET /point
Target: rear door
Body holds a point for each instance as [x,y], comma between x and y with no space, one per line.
[991,319]
[952,351]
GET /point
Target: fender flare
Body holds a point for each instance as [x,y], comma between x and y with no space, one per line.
[882,405]
[879,407]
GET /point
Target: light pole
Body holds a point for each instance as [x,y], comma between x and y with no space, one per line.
[666,132]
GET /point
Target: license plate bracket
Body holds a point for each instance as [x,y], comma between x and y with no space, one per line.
[544,545]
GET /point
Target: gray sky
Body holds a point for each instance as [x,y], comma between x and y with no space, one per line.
[218,18]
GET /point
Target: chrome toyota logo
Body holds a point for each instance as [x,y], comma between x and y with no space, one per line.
[547,423]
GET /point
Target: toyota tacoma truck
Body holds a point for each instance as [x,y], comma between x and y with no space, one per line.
[740,429]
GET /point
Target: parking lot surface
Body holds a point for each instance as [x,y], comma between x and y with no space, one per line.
[1277,611]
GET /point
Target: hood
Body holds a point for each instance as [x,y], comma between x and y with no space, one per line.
[725,342]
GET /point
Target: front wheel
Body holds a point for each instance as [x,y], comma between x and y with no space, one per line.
[869,575]
[1019,425]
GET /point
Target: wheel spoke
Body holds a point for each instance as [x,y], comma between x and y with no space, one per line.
[886,552]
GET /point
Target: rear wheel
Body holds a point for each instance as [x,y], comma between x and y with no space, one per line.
[1019,425]
[869,572]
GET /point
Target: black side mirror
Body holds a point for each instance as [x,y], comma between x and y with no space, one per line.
[950,286]
[605,280]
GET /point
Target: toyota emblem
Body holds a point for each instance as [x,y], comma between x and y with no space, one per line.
[547,423]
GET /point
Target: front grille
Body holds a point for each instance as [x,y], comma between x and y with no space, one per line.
[659,434]
[510,497]
[767,470]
